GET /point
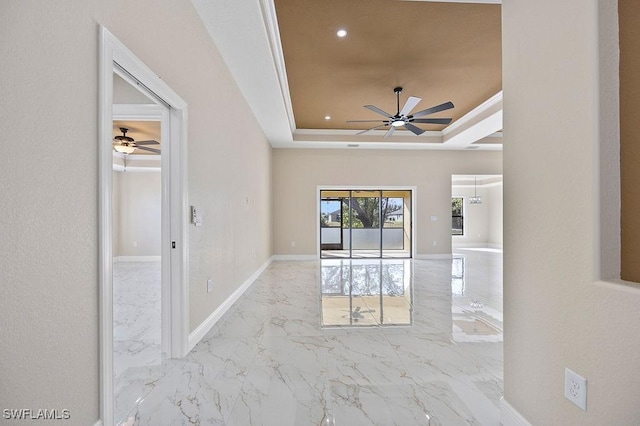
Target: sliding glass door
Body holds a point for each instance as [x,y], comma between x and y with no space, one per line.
[365,223]
[365,231]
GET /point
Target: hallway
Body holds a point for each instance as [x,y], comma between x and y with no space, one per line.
[429,351]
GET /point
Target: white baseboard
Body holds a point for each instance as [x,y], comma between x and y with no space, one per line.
[469,245]
[98,423]
[433,256]
[295,257]
[509,416]
[476,245]
[137,258]
[207,324]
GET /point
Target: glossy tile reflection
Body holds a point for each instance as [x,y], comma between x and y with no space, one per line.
[271,361]
[476,311]
[360,293]
[138,362]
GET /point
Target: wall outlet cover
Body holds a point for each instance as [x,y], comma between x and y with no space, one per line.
[575,388]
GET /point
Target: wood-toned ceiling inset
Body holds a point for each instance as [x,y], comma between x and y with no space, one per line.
[436,51]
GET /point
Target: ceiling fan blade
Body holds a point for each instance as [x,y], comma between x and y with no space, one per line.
[373,128]
[144,148]
[150,142]
[409,105]
[367,121]
[378,110]
[390,132]
[432,120]
[433,110]
[414,129]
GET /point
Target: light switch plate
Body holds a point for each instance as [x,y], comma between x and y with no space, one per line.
[196,217]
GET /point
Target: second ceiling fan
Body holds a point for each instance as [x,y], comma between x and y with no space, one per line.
[403,118]
[126,144]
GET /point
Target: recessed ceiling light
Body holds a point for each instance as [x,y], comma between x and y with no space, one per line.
[327,117]
[341,33]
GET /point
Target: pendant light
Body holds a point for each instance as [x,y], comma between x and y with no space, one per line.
[475,199]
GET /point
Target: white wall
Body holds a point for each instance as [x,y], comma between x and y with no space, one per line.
[124,93]
[49,270]
[556,312]
[138,210]
[298,172]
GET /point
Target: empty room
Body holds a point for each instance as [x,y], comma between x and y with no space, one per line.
[291,212]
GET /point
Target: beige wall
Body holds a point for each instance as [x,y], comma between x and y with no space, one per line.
[556,314]
[48,262]
[298,172]
[494,198]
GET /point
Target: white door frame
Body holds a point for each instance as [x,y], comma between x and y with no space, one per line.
[115,57]
[413,189]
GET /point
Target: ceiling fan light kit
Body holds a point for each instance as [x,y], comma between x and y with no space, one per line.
[125,149]
[127,145]
[403,118]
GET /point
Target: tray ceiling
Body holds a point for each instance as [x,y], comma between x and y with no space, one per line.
[436,51]
[294,71]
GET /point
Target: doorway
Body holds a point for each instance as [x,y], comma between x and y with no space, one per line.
[476,211]
[139,343]
[164,105]
[365,223]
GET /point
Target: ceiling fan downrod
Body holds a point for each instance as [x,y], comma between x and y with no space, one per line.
[397,91]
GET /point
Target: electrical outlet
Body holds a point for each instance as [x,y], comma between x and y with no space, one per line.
[575,388]
[209,285]
[293,243]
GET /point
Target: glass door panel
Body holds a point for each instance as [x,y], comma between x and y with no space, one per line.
[396,217]
[334,224]
[366,235]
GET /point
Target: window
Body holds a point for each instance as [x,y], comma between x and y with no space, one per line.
[457,218]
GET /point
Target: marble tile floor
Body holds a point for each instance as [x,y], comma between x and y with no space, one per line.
[270,361]
[138,362]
